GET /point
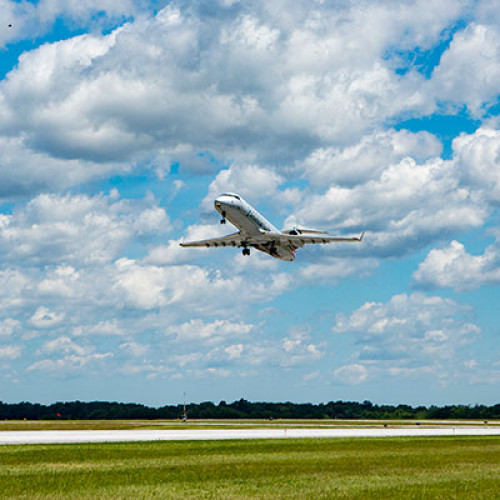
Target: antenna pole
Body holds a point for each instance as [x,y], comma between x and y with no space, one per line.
[184,413]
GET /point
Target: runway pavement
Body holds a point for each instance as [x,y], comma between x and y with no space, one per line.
[53,437]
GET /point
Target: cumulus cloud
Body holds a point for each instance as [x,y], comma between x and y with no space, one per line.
[107,327]
[8,326]
[10,351]
[173,253]
[29,20]
[406,207]
[69,363]
[135,349]
[250,181]
[288,104]
[351,374]
[454,267]
[330,270]
[63,354]
[294,349]
[24,172]
[368,158]
[473,51]
[14,286]
[148,287]
[478,159]
[45,318]
[298,348]
[191,80]
[78,229]
[410,331]
[214,332]
[67,272]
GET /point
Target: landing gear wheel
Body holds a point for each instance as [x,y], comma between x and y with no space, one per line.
[246,251]
[223,221]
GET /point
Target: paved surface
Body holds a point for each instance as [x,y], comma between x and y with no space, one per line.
[52,437]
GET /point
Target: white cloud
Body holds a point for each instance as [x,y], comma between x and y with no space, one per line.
[8,326]
[410,330]
[454,267]
[14,286]
[351,374]
[173,253]
[82,9]
[267,98]
[408,206]
[25,172]
[250,181]
[473,51]
[193,287]
[60,282]
[10,351]
[234,351]
[193,79]
[330,270]
[110,327]
[368,158]
[186,359]
[78,229]
[297,348]
[135,349]
[70,363]
[29,20]
[478,159]
[64,345]
[211,333]
[45,318]
[75,356]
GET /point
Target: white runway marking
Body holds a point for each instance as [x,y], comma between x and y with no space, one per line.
[114,436]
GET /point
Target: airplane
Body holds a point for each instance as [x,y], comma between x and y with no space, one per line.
[257,232]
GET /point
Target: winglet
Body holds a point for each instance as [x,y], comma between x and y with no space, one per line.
[360,238]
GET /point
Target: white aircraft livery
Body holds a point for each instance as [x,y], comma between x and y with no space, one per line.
[255,231]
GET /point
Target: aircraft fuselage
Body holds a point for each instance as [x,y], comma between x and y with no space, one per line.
[252,225]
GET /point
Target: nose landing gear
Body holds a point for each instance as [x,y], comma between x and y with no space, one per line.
[223,220]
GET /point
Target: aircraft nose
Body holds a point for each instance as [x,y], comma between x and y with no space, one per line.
[220,203]
[221,200]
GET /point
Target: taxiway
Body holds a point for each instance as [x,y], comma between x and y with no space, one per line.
[114,436]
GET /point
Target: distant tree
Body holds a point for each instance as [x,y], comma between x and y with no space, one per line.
[104,410]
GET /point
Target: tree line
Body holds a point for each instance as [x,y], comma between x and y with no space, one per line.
[242,409]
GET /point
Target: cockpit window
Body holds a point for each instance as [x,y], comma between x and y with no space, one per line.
[232,196]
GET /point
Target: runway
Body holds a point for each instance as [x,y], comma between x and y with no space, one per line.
[115,436]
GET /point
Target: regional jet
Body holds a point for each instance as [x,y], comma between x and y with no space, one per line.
[255,231]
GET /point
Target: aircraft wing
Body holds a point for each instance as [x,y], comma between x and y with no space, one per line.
[231,240]
[306,239]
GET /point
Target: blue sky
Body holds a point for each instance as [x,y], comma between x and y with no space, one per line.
[122,120]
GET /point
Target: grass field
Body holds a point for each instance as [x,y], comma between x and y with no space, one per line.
[38,425]
[399,468]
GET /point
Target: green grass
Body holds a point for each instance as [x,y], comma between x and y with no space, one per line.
[399,468]
[37,425]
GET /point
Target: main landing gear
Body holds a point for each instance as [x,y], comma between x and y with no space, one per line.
[246,251]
